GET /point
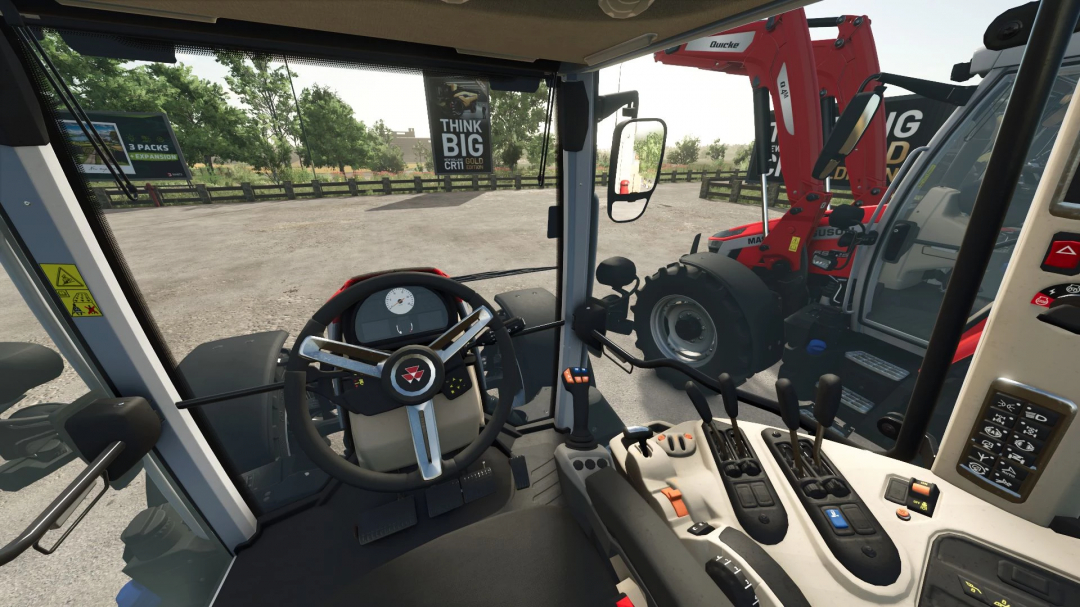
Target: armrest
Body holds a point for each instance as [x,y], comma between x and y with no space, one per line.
[669,572]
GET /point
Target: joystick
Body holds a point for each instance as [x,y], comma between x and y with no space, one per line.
[826,403]
[789,411]
[731,407]
[577,380]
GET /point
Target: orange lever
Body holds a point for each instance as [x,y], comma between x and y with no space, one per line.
[675,497]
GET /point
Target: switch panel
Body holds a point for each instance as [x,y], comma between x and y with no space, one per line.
[1019,428]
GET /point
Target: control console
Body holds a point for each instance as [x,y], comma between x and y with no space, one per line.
[1019,427]
[757,506]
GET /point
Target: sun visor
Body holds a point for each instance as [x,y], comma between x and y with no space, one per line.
[116,47]
[521,84]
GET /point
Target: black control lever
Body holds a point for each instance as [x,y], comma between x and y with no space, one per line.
[826,403]
[640,435]
[577,380]
[697,398]
[730,396]
[789,411]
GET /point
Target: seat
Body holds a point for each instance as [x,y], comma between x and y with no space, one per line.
[537,557]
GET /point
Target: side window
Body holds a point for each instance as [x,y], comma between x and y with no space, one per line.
[140,545]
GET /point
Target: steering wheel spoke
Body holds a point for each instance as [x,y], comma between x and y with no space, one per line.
[425,438]
[357,359]
[450,343]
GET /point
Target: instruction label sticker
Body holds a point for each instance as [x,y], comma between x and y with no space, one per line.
[71,288]
[794,246]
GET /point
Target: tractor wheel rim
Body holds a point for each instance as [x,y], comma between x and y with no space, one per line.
[666,314]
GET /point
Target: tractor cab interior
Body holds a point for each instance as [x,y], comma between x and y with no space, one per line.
[376,390]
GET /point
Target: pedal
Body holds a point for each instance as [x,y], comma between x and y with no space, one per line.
[385,520]
[856,401]
[443,498]
[476,485]
[520,470]
[880,366]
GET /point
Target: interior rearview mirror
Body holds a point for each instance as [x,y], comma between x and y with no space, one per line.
[637,152]
[849,129]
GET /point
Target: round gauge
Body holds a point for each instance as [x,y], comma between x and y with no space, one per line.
[399,301]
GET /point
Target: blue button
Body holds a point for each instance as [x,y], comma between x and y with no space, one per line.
[838,521]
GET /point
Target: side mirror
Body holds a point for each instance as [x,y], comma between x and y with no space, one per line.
[849,129]
[637,152]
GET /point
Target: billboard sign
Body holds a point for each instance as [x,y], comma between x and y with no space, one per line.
[143,144]
[459,115]
[910,122]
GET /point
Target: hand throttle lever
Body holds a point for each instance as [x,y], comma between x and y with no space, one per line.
[826,403]
[731,406]
[577,380]
[789,411]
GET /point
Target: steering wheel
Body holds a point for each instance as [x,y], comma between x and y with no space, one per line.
[410,376]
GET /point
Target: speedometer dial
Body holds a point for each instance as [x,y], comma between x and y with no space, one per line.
[399,301]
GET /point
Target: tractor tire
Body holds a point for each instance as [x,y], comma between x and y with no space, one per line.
[685,314]
[457,108]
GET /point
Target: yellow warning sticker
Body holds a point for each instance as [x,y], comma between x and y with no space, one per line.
[794,246]
[71,288]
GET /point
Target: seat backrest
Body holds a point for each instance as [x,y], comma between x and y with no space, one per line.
[25,366]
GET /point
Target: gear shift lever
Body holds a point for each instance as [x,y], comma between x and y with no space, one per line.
[731,407]
[826,402]
[789,411]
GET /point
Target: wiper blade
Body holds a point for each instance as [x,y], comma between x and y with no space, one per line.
[501,273]
[72,104]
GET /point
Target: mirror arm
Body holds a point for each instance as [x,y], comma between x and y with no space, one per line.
[607,104]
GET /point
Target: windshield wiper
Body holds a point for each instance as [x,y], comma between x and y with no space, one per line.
[69,100]
[501,273]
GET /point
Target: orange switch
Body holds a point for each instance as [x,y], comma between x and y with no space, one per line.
[921,489]
[903,514]
[675,497]
[661,438]
[689,436]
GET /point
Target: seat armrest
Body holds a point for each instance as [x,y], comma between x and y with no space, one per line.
[672,576]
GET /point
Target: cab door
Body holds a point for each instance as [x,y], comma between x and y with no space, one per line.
[925,226]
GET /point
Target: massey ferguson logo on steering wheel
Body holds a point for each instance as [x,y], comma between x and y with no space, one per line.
[412,374]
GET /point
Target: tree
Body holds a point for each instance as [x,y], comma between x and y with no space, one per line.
[649,150]
[742,157]
[274,131]
[422,151]
[205,125]
[336,137]
[534,148]
[717,151]
[686,151]
[516,120]
[386,156]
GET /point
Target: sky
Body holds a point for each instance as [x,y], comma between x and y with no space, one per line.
[921,38]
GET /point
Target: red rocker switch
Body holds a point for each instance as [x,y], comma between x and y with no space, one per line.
[1063,255]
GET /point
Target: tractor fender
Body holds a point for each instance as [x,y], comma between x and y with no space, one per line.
[760,305]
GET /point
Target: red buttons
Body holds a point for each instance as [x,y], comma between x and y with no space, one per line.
[1063,255]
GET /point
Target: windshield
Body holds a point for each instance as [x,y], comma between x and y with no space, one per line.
[266,183]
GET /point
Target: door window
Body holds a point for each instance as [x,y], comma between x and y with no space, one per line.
[141,544]
[926,234]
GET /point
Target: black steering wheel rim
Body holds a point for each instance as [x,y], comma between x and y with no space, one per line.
[296,402]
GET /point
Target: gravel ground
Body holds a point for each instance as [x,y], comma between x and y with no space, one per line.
[209,272]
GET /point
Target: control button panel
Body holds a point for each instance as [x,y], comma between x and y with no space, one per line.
[1063,254]
[919,496]
[1019,426]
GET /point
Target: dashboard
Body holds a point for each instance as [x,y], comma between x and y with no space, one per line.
[397,314]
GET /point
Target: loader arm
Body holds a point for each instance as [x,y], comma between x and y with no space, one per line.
[843,64]
[777,55]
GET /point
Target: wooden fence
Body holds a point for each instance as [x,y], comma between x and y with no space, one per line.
[246,192]
[732,188]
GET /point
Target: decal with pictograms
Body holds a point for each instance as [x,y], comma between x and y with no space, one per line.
[70,287]
[1050,294]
